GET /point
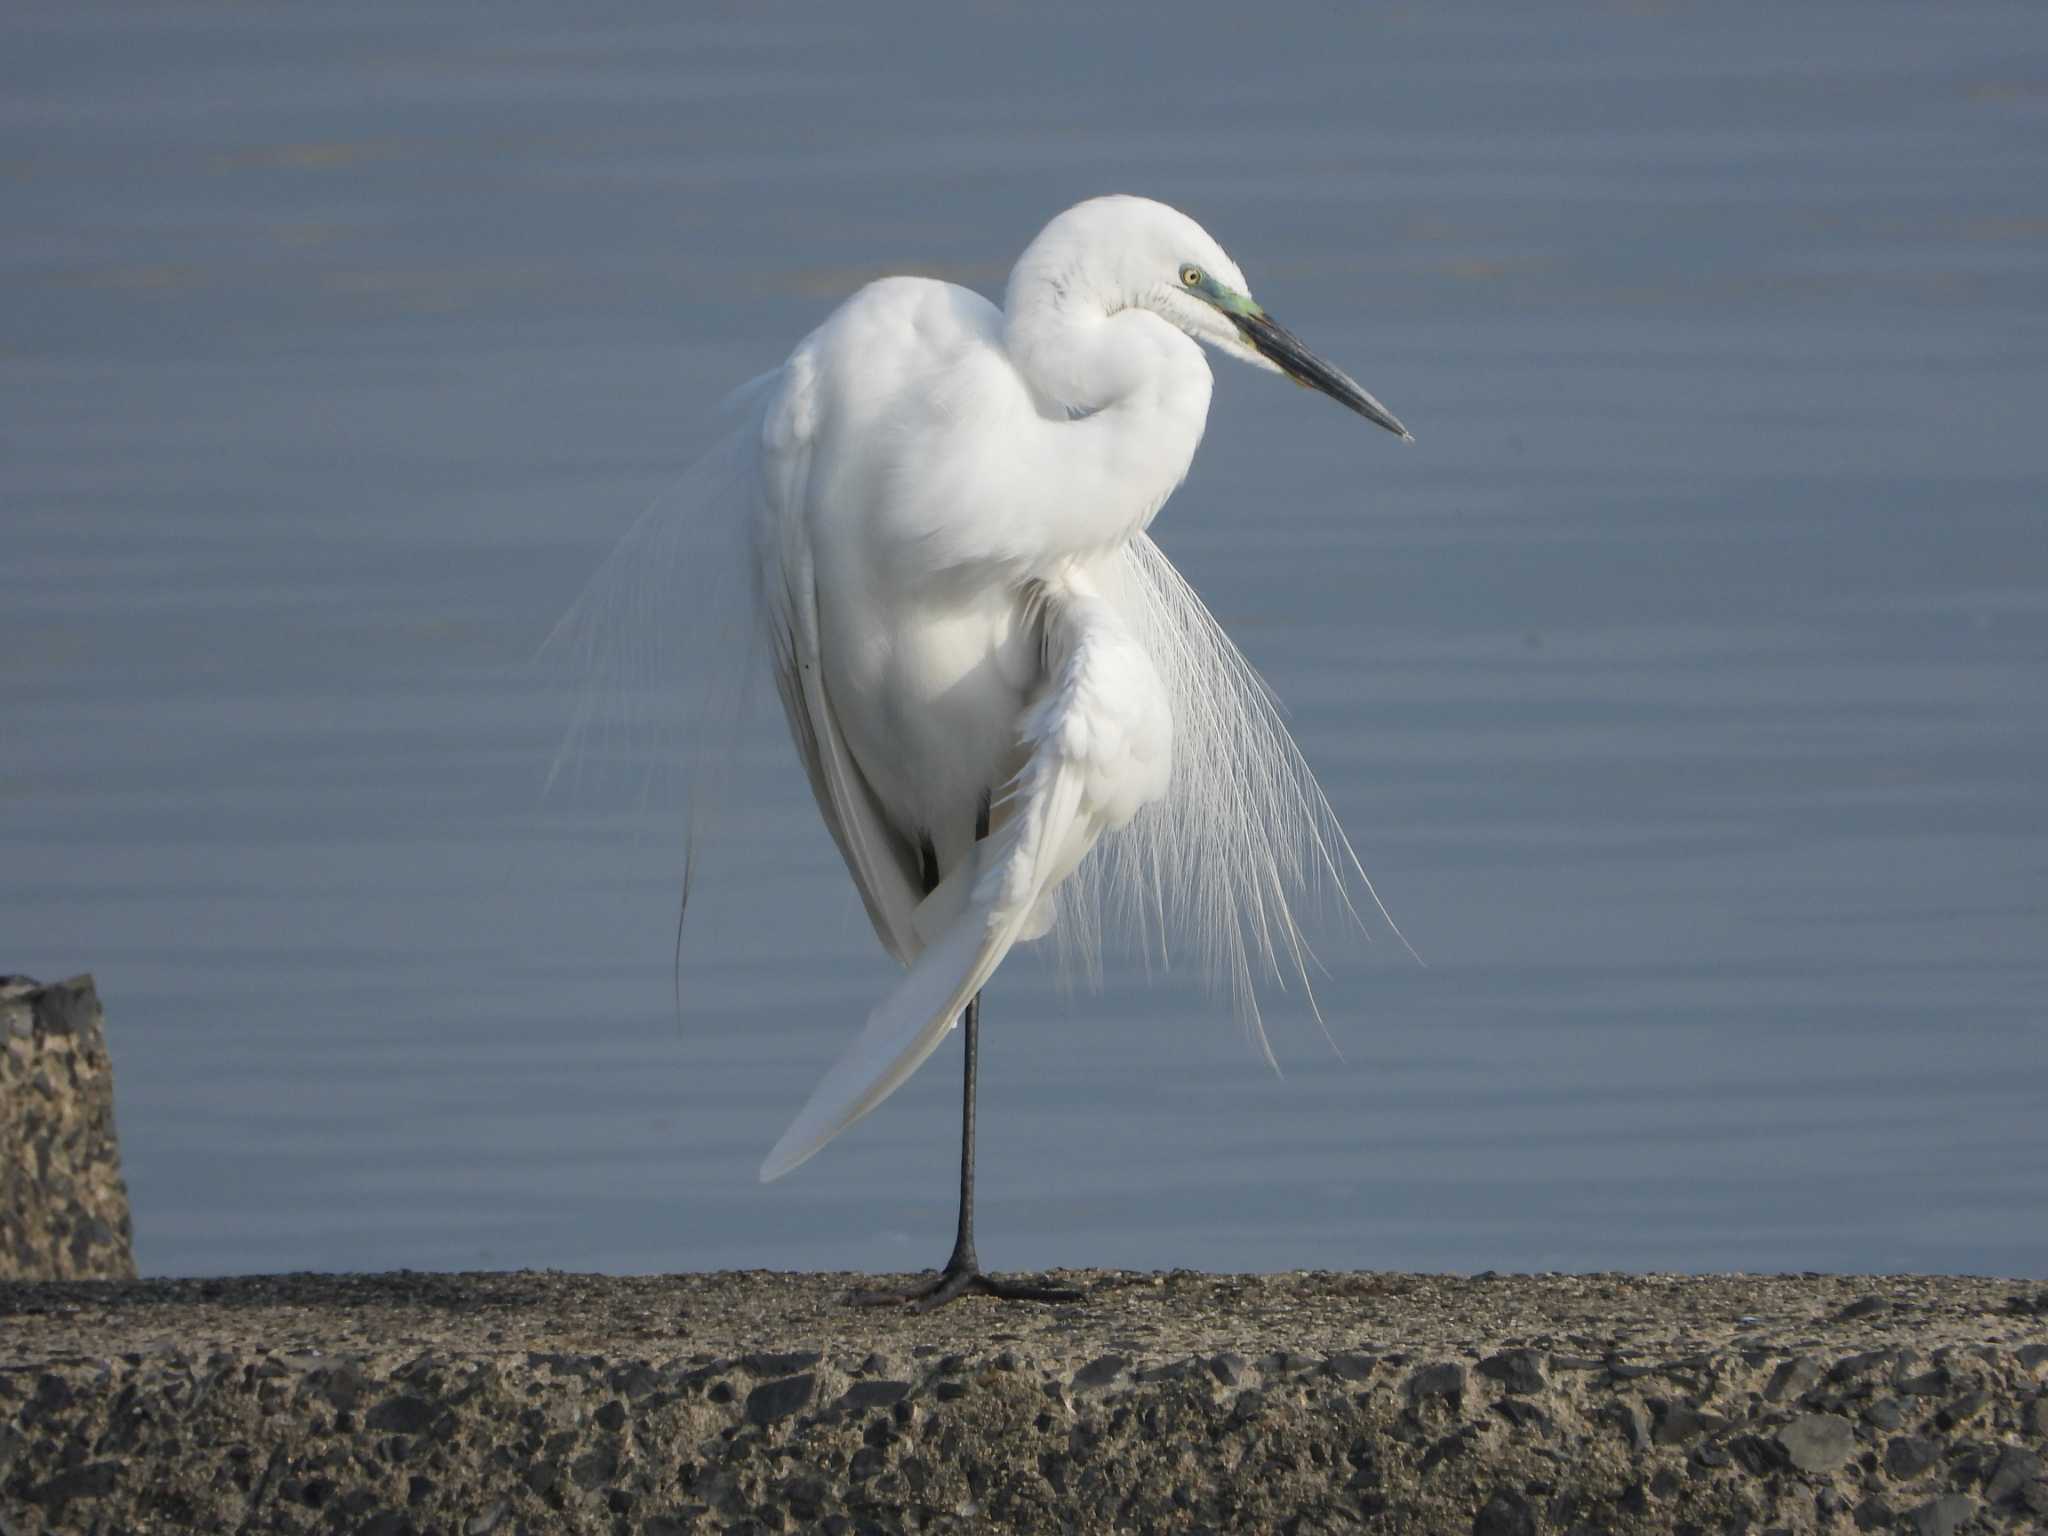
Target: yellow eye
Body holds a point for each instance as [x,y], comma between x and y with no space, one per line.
[1192,276]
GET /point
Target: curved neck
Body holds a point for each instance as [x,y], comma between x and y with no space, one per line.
[1122,397]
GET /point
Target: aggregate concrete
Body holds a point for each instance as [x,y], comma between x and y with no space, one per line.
[63,1202]
[487,1405]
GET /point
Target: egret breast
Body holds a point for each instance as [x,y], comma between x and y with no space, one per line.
[929,696]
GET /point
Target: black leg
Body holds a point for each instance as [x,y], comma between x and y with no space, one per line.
[962,1273]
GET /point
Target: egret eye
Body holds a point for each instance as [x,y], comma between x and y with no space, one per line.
[1192,276]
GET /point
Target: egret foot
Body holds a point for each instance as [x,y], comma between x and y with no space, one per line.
[957,1280]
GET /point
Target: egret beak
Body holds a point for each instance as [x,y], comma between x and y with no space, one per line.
[1284,349]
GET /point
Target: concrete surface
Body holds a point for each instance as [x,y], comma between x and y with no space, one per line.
[1496,1405]
[63,1203]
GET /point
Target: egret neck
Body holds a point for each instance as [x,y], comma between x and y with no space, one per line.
[1122,397]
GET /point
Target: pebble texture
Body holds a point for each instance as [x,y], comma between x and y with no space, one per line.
[488,1405]
[63,1205]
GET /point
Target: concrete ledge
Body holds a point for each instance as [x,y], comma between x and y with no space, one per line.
[63,1203]
[482,1404]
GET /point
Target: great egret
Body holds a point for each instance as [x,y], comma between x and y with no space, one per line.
[985,662]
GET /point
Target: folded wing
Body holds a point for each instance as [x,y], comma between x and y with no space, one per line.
[884,866]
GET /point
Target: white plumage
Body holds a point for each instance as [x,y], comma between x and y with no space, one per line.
[944,506]
[950,503]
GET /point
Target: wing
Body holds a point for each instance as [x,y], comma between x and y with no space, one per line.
[884,866]
[664,635]
[1100,740]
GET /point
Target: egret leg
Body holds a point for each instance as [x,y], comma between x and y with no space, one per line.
[963,1274]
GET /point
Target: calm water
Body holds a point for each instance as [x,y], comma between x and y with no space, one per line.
[1686,687]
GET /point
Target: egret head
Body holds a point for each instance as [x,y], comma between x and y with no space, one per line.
[1131,252]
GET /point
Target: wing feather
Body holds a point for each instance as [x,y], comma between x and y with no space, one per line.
[884,866]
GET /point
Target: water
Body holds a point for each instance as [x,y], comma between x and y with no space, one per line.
[1684,686]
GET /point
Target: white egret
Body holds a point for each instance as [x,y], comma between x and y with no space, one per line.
[985,662]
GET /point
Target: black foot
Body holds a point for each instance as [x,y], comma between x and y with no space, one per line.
[952,1283]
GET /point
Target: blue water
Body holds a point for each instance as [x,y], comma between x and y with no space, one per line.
[1685,687]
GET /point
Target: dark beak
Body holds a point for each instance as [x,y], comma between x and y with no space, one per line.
[1281,345]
